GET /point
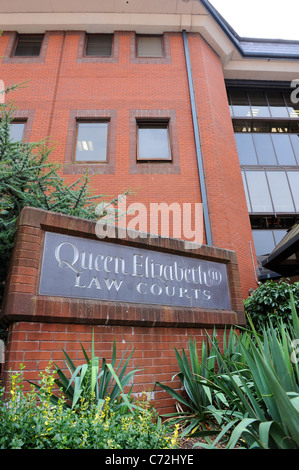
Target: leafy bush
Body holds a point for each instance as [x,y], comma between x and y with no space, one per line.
[194,416]
[254,396]
[32,421]
[92,383]
[262,397]
[271,302]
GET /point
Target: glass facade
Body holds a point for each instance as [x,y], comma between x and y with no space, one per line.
[259,103]
[266,125]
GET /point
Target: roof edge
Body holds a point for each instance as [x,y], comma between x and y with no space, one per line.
[237,40]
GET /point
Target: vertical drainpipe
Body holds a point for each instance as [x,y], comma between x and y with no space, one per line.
[197,144]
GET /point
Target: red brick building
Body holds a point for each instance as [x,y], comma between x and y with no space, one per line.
[163,97]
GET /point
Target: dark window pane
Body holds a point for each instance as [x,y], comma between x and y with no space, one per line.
[240,103]
[259,104]
[16,131]
[294,183]
[28,45]
[295,143]
[246,150]
[279,127]
[99,45]
[283,149]
[242,126]
[261,126]
[263,241]
[293,127]
[92,142]
[153,143]
[149,46]
[264,149]
[277,104]
[259,192]
[280,191]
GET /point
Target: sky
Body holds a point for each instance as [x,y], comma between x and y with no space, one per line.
[271,19]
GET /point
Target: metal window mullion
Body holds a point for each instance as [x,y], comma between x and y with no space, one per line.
[249,103]
[269,188]
[297,161]
[248,192]
[277,162]
[290,188]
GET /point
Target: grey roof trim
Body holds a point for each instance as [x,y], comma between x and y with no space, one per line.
[255,47]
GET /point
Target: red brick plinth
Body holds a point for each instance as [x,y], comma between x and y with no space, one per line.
[41,326]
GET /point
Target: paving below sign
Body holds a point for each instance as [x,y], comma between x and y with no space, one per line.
[93,269]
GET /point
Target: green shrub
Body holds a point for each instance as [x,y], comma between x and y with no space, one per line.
[262,395]
[32,421]
[252,393]
[92,382]
[271,302]
[195,373]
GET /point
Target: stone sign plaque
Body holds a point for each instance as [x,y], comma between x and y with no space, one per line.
[94,269]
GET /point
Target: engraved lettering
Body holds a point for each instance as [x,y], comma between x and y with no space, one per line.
[77,283]
[107,260]
[109,283]
[136,265]
[138,288]
[156,289]
[95,282]
[64,262]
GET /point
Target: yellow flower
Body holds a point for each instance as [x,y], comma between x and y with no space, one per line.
[174,438]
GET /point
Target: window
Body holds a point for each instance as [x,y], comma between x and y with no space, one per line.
[259,103]
[259,192]
[264,149]
[277,105]
[276,147]
[17,131]
[266,240]
[153,141]
[293,177]
[28,45]
[283,149]
[99,45]
[91,143]
[240,104]
[272,192]
[149,46]
[246,149]
[280,191]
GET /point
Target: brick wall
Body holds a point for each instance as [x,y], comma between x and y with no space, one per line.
[64,84]
[35,344]
[41,326]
